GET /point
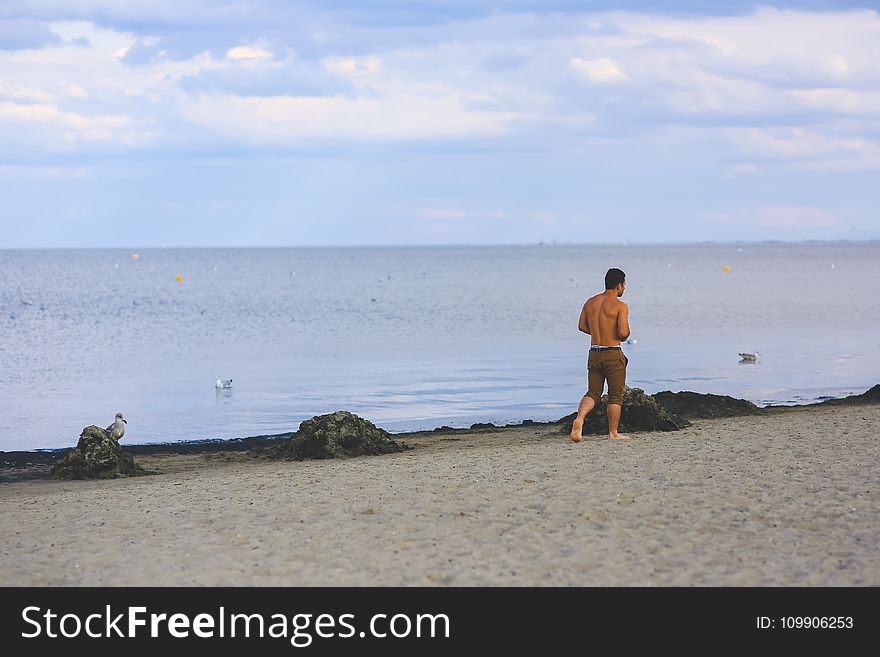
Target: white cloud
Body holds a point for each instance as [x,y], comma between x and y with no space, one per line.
[714,75]
[76,91]
[283,119]
[737,69]
[347,65]
[75,126]
[99,39]
[829,38]
[598,70]
[248,52]
[843,101]
[798,143]
[25,93]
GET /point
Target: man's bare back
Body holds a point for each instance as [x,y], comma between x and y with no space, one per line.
[606,319]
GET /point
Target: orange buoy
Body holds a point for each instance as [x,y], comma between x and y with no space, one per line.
[179,278]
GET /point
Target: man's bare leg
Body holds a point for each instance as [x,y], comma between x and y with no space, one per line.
[584,408]
[613,420]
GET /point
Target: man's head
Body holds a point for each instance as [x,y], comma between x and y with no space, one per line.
[615,280]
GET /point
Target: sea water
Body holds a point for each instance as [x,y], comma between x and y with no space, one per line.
[411,337]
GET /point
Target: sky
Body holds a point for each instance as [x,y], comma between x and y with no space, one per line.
[180,123]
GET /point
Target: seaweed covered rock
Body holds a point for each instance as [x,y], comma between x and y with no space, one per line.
[97,455]
[640,412]
[871,396]
[697,405]
[336,435]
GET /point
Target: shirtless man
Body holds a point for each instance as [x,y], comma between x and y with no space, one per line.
[605,318]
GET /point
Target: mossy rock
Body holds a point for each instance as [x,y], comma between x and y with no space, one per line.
[337,435]
[871,396]
[698,405]
[97,455]
[639,412]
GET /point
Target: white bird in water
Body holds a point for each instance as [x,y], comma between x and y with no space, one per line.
[117,429]
[222,383]
[749,357]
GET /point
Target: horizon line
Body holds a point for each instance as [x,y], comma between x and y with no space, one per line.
[442,245]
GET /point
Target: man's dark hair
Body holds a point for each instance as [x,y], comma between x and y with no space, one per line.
[613,277]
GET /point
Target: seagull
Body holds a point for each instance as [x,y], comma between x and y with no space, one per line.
[222,383]
[749,357]
[117,429]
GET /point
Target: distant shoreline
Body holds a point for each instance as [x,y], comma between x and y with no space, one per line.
[24,458]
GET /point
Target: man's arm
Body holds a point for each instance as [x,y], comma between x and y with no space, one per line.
[623,322]
[583,323]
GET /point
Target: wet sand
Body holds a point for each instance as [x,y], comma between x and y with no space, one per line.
[789,498]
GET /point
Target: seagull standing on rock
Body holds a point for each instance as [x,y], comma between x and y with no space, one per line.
[117,429]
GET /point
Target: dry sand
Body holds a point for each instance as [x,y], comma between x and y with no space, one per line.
[786,498]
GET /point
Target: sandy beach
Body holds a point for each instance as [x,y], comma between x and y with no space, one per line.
[789,498]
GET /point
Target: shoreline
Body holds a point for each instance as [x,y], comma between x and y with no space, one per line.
[24,458]
[29,459]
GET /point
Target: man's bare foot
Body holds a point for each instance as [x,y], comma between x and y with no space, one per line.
[618,436]
[576,430]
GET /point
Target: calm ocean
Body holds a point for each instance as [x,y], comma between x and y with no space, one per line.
[411,337]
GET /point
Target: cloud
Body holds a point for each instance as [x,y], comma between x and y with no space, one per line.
[769,86]
[287,77]
[286,119]
[16,92]
[839,100]
[795,217]
[248,52]
[598,70]
[75,126]
[349,65]
[770,66]
[807,148]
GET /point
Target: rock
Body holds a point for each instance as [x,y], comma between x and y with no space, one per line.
[871,396]
[483,425]
[446,429]
[697,405]
[96,456]
[640,412]
[336,435]
[528,423]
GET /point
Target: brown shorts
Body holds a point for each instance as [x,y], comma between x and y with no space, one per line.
[607,364]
